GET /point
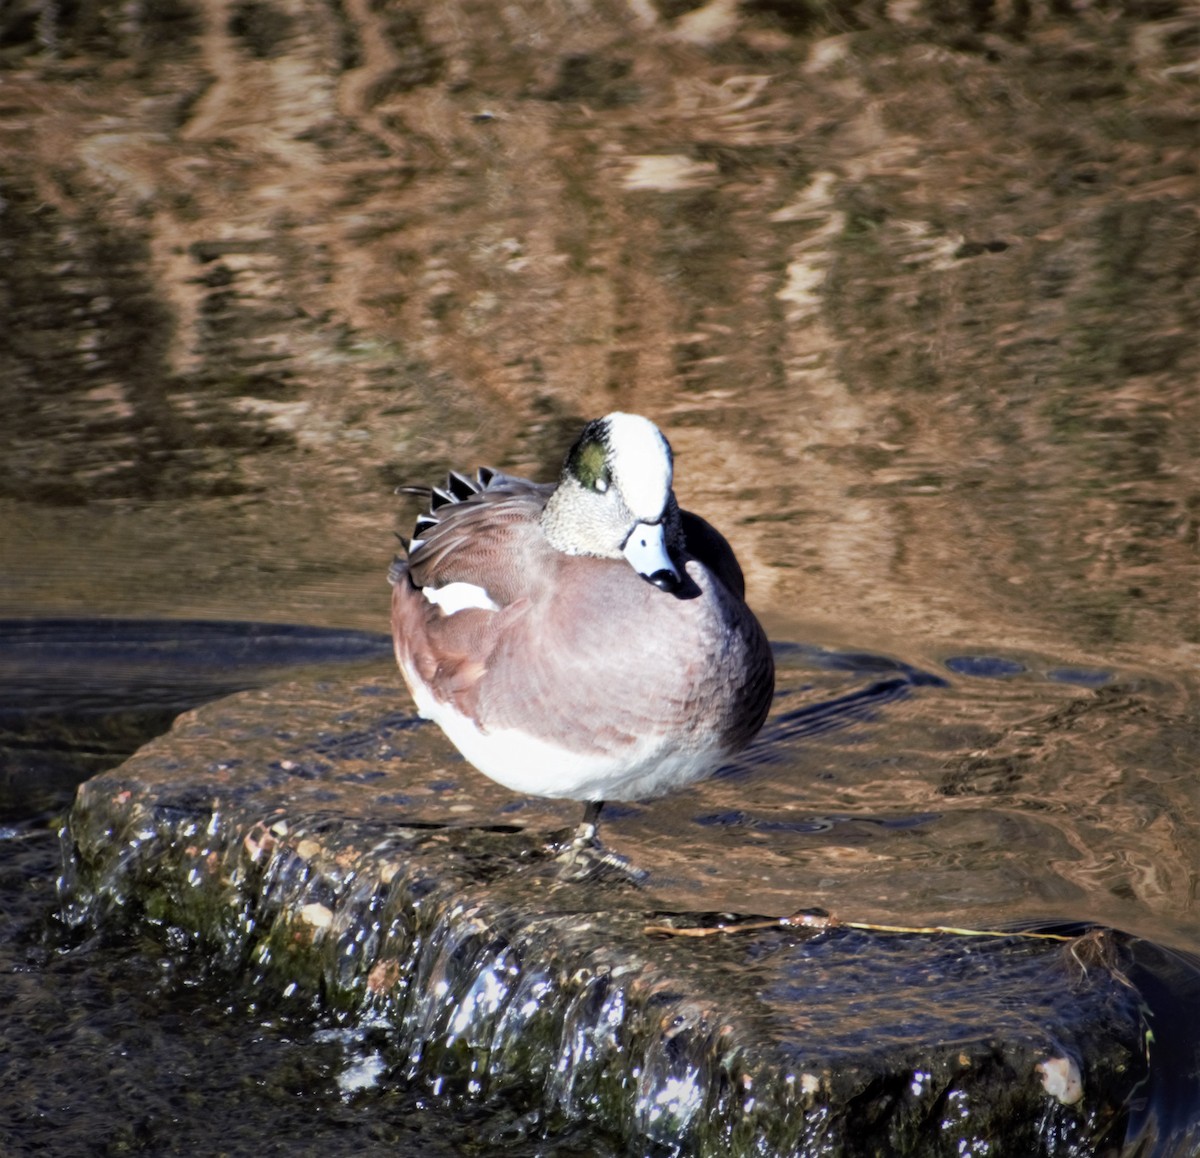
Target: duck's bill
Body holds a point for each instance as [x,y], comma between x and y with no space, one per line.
[646,550]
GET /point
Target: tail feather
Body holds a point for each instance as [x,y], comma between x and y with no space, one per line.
[458,488]
[462,487]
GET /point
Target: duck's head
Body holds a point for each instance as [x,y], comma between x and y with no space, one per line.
[614,498]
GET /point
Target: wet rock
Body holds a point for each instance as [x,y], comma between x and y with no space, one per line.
[320,842]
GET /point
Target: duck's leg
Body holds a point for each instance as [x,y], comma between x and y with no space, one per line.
[585,855]
[589,827]
[583,844]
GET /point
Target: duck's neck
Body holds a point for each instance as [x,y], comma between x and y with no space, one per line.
[568,527]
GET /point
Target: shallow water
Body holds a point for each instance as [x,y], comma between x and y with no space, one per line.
[114,1042]
[128,1046]
[915,301]
[334,850]
[865,794]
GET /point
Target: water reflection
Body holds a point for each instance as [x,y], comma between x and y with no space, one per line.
[924,345]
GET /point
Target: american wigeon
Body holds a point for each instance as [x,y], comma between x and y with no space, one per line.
[588,639]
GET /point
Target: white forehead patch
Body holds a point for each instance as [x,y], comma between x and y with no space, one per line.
[640,459]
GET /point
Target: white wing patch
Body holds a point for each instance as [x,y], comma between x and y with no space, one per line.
[455,597]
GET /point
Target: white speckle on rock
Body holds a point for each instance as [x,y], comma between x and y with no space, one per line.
[1061,1079]
[317,915]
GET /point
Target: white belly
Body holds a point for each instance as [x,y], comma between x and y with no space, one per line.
[525,764]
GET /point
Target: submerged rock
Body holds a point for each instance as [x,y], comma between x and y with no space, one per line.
[79,695]
[322,844]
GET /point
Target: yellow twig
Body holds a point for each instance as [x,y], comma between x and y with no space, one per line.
[820,921]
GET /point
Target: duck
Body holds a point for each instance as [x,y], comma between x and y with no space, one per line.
[586,639]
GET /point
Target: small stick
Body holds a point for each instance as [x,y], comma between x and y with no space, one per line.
[807,920]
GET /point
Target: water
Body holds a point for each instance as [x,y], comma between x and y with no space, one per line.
[311,840]
[115,1042]
[913,294]
[128,1046]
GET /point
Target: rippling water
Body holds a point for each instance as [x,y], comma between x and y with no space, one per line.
[128,1046]
[966,790]
[915,301]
